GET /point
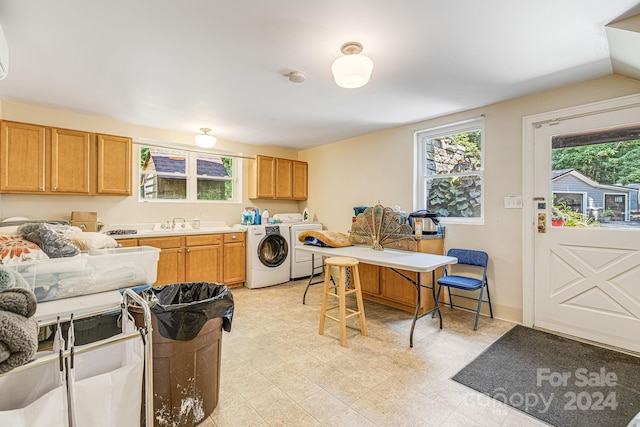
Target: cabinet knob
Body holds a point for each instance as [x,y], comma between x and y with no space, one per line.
[179,251]
[188,250]
[41,188]
[234,237]
[55,188]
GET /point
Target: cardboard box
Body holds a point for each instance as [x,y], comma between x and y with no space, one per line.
[87,221]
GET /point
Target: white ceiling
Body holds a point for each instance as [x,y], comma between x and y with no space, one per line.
[183,65]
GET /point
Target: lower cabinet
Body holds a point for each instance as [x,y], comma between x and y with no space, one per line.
[383,285]
[216,258]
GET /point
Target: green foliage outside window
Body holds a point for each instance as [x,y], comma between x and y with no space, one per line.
[607,163]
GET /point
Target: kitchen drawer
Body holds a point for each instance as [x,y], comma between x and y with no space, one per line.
[203,239]
[233,237]
[161,242]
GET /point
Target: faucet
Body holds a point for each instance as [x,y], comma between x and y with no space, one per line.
[173,223]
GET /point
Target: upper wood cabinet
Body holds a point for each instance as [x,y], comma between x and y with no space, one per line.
[276,178]
[262,178]
[114,165]
[284,179]
[70,161]
[22,158]
[38,159]
[300,180]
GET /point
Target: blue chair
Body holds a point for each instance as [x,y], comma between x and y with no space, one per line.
[464,283]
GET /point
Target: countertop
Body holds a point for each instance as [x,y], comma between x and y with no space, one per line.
[153,230]
[429,236]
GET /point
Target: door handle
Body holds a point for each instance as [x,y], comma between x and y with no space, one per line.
[542,223]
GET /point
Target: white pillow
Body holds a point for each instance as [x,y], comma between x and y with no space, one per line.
[11,230]
[90,240]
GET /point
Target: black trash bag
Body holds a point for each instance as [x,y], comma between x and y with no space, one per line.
[182,309]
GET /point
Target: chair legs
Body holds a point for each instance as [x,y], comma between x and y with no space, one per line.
[479,306]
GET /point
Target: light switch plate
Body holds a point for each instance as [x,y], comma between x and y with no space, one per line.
[513,202]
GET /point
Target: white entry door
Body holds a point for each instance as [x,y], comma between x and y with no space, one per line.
[586,280]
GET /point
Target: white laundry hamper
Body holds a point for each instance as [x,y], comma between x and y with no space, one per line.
[105,384]
[43,403]
[99,384]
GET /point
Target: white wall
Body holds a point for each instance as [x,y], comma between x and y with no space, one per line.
[379,168]
[360,171]
[127,209]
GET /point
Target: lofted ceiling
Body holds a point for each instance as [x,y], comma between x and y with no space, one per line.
[183,65]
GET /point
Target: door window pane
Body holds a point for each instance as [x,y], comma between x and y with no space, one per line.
[602,168]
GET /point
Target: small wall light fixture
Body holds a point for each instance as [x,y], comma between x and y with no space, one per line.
[352,70]
[205,140]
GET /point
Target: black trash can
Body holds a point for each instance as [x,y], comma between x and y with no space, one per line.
[187,320]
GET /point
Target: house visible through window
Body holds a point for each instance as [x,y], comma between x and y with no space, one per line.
[449,178]
[595,178]
[167,174]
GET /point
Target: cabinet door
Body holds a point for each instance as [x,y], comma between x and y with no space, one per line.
[300,180]
[284,179]
[70,160]
[114,165]
[234,258]
[396,287]
[22,158]
[170,267]
[369,278]
[171,261]
[266,177]
[203,263]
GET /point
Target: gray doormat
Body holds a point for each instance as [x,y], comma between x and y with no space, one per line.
[557,380]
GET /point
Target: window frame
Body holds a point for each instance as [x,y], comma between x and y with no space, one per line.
[191,174]
[421,177]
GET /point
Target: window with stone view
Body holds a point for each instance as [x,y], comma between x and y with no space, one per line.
[451,170]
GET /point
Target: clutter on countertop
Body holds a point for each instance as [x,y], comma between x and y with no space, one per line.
[87,221]
[382,227]
[332,239]
[121,232]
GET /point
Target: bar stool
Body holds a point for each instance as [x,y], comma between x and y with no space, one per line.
[342,263]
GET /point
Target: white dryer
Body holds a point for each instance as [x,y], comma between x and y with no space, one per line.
[268,255]
[300,261]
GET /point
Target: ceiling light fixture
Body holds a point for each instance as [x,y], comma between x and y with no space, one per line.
[352,70]
[205,140]
[296,77]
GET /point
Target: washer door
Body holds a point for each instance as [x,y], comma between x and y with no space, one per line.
[273,250]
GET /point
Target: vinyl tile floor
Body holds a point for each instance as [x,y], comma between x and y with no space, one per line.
[276,369]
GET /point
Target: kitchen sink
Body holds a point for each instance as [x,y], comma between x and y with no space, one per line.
[161,228]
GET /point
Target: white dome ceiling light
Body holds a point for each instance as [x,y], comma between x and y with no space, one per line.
[352,70]
[205,140]
[296,77]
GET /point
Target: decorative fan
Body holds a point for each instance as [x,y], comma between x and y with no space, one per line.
[382,228]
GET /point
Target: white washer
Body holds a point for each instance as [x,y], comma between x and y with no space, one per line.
[268,255]
[300,261]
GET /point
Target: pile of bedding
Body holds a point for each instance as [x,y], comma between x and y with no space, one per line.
[18,328]
[25,244]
